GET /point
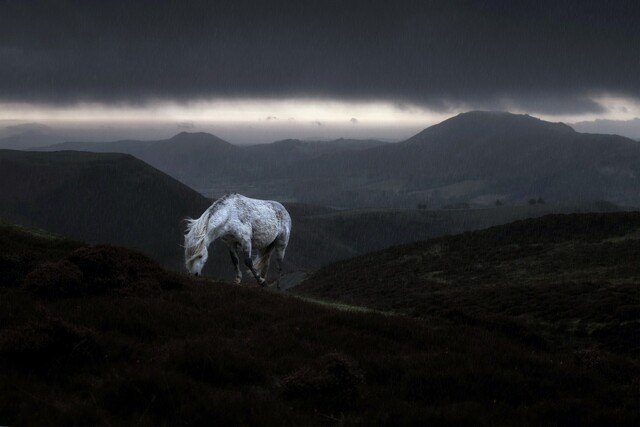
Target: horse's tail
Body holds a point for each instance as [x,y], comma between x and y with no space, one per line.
[263,258]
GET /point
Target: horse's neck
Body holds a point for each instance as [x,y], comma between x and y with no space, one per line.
[216,226]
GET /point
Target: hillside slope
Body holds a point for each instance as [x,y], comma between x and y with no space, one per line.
[102,335]
[575,278]
[112,198]
[322,237]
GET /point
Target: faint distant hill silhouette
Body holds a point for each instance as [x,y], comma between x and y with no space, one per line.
[26,139]
[628,128]
[214,166]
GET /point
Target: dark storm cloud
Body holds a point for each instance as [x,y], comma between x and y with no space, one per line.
[547,56]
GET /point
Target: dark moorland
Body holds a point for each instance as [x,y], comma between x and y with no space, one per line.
[573,279]
[103,335]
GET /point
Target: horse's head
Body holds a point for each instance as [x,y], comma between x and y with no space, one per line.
[195,259]
[195,246]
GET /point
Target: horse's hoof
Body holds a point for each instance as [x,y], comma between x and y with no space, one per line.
[237,281]
[274,285]
[262,282]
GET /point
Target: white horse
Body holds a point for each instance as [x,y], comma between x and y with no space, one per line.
[247,226]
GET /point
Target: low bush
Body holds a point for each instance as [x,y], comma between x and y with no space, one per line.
[46,341]
[330,382]
[55,280]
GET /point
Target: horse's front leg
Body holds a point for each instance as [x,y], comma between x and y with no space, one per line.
[246,249]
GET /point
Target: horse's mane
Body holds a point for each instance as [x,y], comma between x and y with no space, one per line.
[197,230]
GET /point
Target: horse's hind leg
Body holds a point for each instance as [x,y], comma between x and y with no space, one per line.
[279,258]
[233,252]
[246,249]
[265,260]
[236,264]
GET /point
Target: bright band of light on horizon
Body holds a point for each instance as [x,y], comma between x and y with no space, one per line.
[279,110]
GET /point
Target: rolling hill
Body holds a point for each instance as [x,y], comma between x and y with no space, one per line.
[323,236]
[572,278]
[109,198]
[102,335]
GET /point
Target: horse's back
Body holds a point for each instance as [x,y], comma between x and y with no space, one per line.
[268,218]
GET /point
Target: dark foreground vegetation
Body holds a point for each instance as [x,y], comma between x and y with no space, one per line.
[102,335]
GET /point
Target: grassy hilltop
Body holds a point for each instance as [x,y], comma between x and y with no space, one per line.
[102,335]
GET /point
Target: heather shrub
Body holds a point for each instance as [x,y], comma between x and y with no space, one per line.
[14,268]
[330,382]
[108,269]
[45,341]
[215,361]
[55,280]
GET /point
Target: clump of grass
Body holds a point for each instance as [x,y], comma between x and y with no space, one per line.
[55,280]
[46,341]
[109,269]
[99,270]
[15,268]
[332,382]
[22,250]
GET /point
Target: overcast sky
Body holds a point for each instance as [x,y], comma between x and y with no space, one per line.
[311,64]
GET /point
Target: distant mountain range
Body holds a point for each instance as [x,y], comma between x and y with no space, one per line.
[26,139]
[214,166]
[628,128]
[475,159]
[478,158]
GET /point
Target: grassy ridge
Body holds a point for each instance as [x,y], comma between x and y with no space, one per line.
[572,278]
[321,237]
[124,342]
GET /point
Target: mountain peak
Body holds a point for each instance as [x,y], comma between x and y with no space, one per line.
[194,135]
[474,124]
[197,138]
[504,118]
